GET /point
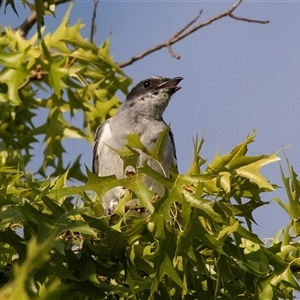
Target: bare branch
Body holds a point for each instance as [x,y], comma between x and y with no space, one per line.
[180,32]
[184,32]
[31,20]
[172,52]
[93,25]
[27,25]
[187,25]
[249,20]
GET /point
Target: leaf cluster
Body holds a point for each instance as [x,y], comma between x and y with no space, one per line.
[51,90]
[40,8]
[190,244]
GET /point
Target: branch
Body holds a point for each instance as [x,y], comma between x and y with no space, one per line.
[93,25]
[31,20]
[184,32]
[249,20]
[181,31]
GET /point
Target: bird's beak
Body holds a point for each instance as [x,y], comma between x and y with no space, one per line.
[170,84]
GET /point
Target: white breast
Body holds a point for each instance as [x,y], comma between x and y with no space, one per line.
[110,162]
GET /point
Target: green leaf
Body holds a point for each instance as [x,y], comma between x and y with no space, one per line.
[251,171]
[13,74]
[205,206]
[225,181]
[103,184]
[48,224]
[37,255]
[40,12]
[198,161]
[12,4]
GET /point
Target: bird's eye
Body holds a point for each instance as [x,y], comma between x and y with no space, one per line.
[146,84]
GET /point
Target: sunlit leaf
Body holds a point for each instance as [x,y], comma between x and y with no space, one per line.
[251,171]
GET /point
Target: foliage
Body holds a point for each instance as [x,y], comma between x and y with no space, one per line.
[41,8]
[64,76]
[191,244]
[196,242]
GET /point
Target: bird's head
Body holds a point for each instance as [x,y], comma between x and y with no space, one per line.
[151,96]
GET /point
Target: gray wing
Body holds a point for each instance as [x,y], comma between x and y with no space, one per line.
[96,160]
[171,135]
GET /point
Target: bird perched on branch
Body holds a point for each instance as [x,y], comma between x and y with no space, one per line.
[140,113]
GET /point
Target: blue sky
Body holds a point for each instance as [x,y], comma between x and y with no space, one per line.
[237,75]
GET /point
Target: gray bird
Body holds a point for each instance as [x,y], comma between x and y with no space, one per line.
[140,113]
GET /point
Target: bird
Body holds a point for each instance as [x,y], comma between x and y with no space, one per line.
[140,113]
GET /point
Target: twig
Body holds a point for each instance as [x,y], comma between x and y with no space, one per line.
[249,20]
[172,52]
[189,24]
[180,32]
[93,25]
[184,32]
[36,75]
